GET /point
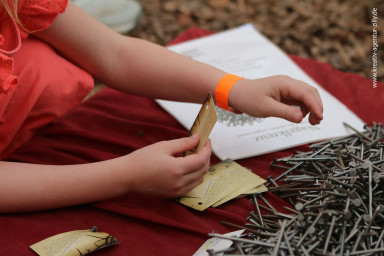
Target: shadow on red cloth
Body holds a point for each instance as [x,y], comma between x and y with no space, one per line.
[112,124]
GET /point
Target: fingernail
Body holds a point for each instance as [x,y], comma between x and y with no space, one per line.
[298,116]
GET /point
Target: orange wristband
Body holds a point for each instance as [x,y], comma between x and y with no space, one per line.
[223,88]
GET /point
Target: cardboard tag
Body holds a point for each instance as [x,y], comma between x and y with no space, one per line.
[74,243]
[204,123]
[224,181]
[241,175]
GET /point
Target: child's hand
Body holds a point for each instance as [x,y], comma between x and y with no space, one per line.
[157,171]
[276,96]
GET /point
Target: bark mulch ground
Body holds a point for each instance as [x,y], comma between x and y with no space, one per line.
[338,32]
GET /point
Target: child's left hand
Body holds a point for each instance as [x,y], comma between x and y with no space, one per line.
[277,96]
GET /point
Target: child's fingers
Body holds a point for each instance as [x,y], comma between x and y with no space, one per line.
[194,168]
[192,185]
[196,176]
[279,109]
[307,95]
[313,119]
[197,161]
[181,145]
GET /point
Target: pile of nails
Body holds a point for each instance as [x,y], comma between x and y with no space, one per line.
[337,197]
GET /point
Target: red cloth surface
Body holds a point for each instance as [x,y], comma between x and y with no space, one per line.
[112,124]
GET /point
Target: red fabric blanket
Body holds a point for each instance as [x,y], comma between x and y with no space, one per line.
[112,124]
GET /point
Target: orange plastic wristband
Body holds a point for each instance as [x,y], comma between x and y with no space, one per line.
[223,88]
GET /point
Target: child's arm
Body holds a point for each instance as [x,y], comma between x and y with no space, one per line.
[139,67]
[31,187]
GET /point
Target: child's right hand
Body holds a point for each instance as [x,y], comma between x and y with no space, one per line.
[157,170]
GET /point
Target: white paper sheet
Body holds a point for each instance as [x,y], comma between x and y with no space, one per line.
[245,52]
[217,244]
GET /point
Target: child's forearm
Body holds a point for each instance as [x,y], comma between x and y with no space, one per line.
[143,68]
[128,64]
[147,69]
[30,187]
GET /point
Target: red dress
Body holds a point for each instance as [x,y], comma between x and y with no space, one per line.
[36,84]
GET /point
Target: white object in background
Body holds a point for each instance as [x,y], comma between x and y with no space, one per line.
[120,15]
[217,244]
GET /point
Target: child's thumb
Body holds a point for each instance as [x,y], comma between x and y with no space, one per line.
[184,144]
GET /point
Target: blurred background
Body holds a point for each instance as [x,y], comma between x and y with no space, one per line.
[337,32]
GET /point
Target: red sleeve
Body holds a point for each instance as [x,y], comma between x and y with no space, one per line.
[38,14]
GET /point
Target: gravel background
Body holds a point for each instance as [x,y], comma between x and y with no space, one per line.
[336,32]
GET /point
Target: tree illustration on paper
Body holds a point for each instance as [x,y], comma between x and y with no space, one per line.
[232,119]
